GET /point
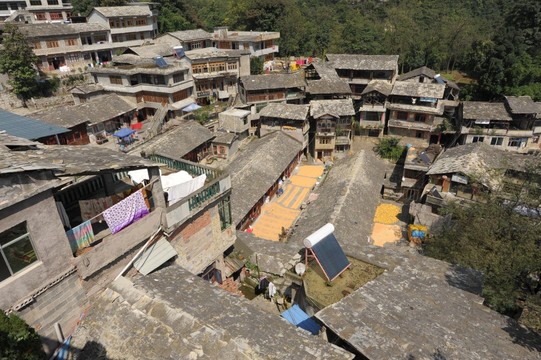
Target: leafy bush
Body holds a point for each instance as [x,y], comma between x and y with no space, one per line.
[18,341]
[73,79]
[388,148]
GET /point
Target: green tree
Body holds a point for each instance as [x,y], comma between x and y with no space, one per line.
[18,341]
[388,148]
[496,236]
[18,61]
[256,65]
[83,7]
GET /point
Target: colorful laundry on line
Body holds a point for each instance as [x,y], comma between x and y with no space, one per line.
[126,212]
[93,207]
[81,236]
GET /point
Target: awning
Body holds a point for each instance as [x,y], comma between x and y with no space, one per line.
[300,319]
[191,107]
[123,132]
[179,105]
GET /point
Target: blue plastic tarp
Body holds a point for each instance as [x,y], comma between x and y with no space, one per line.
[300,319]
[191,107]
[123,132]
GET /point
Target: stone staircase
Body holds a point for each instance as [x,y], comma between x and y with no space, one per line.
[157,122]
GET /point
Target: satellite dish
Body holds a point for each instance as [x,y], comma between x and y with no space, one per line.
[300,268]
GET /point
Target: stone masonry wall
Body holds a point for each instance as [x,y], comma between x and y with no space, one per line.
[62,303]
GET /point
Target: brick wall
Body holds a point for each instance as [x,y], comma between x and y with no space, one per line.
[62,303]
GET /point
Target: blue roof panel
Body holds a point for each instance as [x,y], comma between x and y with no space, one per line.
[26,128]
[300,319]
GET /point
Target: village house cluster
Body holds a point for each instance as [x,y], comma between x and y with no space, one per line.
[126,208]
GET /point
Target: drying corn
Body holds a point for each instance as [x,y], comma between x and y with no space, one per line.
[387,214]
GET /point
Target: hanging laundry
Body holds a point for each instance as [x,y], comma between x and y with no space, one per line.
[272,290]
[126,212]
[81,236]
[299,62]
[92,207]
[310,60]
[180,191]
[63,215]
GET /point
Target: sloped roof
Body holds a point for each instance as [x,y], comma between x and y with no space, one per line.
[86,89]
[328,86]
[406,88]
[285,111]
[26,127]
[95,111]
[423,70]
[257,167]
[273,81]
[423,308]
[179,141]
[363,62]
[339,107]
[324,69]
[212,52]
[150,51]
[182,316]
[522,105]
[123,11]
[191,35]
[476,160]
[381,86]
[225,138]
[479,110]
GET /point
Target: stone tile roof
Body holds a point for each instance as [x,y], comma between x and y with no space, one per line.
[285,111]
[224,138]
[257,167]
[56,30]
[25,127]
[422,308]
[337,108]
[212,52]
[522,105]
[406,88]
[245,35]
[273,81]
[144,68]
[423,70]
[123,11]
[381,86]
[95,111]
[179,141]
[324,69]
[328,86]
[9,141]
[172,314]
[191,35]
[479,110]
[86,89]
[363,62]
[150,51]
[476,160]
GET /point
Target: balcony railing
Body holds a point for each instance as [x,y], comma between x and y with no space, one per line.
[270,50]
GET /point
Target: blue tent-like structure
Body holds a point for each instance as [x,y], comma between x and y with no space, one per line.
[122,133]
[300,319]
[191,107]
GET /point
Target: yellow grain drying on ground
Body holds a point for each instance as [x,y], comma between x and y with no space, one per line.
[387,214]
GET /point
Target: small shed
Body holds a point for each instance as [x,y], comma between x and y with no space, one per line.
[225,145]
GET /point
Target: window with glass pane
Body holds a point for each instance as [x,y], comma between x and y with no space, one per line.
[224,209]
[16,251]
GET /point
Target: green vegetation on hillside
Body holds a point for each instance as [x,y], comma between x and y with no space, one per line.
[493,41]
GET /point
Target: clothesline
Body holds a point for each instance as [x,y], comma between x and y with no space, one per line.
[95,216]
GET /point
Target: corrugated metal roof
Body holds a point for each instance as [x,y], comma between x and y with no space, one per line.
[27,128]
[300,319]
[155,256]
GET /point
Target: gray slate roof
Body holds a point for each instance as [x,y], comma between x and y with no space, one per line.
[123,11]
[191,35]
[423,70]
[406,88]
[257,167]
[328,86]
[422,308]
[337,108]
[95,111]
[86,89]
[26,127]
[381,86]
[150,51]
[179,141]
[53,30]
[224,138]
[212,52]
[363,62]
[285,111]
[476,159]
[172,314]
[273,81]
[522,105]
[479,110]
